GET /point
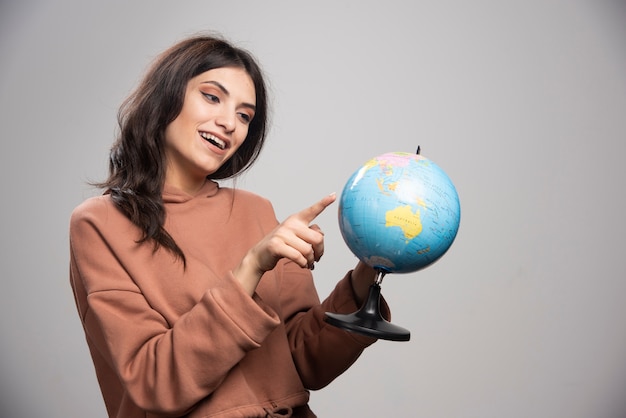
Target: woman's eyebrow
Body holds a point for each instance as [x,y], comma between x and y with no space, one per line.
[227,93]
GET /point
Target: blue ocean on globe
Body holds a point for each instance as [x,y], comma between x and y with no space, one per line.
[399,212]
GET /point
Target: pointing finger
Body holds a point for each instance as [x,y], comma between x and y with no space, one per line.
[313,211]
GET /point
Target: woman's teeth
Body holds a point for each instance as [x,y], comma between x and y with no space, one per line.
[213,140]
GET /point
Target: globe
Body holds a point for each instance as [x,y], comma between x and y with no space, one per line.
[399,212]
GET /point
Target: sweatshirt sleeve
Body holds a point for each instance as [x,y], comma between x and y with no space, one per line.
[165,367]
[320,351]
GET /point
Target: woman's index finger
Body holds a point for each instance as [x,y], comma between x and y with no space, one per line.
[313,211]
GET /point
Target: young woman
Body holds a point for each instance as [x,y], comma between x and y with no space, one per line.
[194,299]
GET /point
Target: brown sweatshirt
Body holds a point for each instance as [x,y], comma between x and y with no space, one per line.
[173,341]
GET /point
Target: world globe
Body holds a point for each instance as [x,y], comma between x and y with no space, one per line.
[399,212]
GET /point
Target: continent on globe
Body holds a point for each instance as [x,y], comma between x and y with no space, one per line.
[407,220]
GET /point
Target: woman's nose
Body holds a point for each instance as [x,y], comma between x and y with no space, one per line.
[226,119]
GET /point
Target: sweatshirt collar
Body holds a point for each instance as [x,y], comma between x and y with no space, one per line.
[172,194]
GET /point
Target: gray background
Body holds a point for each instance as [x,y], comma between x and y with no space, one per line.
[522,103]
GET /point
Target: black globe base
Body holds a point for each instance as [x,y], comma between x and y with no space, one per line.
[368,320]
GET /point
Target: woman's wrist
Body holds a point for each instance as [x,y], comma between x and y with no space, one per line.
[248,273]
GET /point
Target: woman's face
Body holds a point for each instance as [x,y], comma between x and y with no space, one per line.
[213,122]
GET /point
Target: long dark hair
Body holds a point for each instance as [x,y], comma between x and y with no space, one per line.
[137,160]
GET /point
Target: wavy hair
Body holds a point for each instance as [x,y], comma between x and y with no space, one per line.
[137,160]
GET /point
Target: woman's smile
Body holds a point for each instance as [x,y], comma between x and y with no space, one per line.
[214,140]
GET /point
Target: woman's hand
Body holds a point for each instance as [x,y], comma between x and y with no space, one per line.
[295,239]
[362,278]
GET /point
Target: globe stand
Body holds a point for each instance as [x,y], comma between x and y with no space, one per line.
[368,320]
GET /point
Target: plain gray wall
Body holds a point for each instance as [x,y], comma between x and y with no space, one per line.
[522,103]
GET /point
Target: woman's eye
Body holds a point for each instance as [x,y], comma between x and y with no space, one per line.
[245,117]
[211,97]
